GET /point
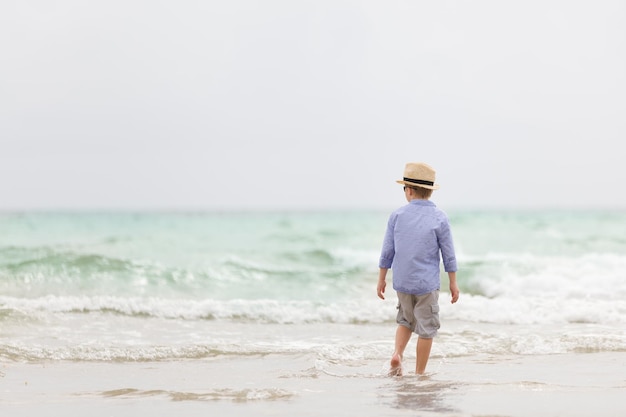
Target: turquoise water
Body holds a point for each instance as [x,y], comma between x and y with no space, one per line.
[244,255]
[107,275]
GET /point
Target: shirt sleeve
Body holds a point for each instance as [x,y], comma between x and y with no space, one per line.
[388,251]
[446,245]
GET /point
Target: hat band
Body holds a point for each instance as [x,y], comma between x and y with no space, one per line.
[419,181]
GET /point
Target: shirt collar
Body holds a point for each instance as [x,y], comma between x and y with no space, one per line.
[422,202]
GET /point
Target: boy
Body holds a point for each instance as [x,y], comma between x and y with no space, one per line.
[416,234]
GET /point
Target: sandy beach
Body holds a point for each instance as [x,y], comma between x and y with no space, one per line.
[285,385]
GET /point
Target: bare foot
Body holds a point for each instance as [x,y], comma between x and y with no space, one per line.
[396,366]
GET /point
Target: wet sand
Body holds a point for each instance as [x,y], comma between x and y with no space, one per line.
[285,385]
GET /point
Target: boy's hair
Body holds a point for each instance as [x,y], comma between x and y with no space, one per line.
[424,193]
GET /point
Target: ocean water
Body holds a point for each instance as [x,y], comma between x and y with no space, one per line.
[128,288]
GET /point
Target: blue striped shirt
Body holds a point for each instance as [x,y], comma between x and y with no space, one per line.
[416,234]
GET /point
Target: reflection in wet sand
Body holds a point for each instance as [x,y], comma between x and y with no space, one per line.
[420,393]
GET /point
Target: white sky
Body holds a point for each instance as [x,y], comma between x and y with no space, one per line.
[128,104]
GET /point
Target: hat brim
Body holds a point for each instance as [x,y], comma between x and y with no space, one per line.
[412,184]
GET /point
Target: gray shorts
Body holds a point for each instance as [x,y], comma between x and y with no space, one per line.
[420,313]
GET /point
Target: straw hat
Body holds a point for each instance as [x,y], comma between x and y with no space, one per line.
[419,174]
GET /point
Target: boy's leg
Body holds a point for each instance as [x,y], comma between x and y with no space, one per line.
[422,354]
[427,314]
[403,335]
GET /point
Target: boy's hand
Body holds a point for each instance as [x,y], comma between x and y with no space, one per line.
[381,288]
[454,292]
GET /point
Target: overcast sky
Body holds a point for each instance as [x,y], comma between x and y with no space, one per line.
[128,104]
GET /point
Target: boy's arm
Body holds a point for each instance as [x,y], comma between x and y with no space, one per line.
[382,275]
[454,289]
